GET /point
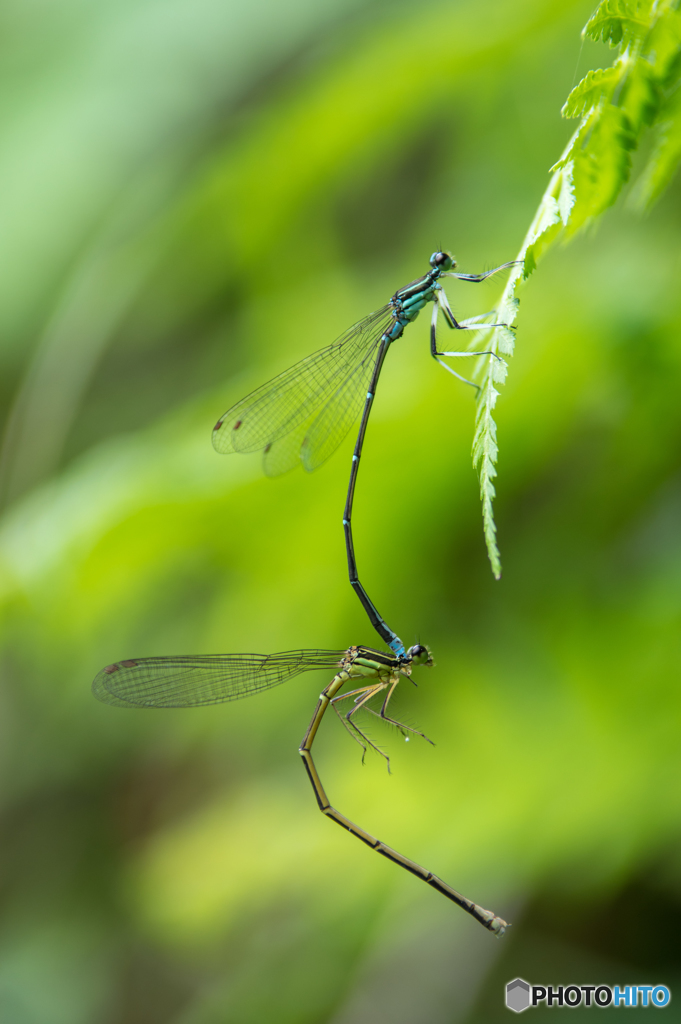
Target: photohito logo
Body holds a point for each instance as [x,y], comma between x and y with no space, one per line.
[520,995]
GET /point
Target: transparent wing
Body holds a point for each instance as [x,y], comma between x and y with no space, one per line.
[284,454]
[317,438]
[334,421]
[184,682]
[286,402]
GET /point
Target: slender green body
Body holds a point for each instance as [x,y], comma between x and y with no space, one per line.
[364,663]
[191,681]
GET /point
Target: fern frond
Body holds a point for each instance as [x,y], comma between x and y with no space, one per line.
[619,22]
[554,211]
[665,42]
[602,163]
[665,158]
[594,87]
[642,88]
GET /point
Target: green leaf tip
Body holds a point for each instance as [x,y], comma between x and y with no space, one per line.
[595,87]
[619,22]
[615,105]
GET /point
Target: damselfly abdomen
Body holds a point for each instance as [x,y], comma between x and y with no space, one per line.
[181,682]
[301,416]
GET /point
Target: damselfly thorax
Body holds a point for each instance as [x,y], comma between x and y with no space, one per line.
[301,416]
[191,681]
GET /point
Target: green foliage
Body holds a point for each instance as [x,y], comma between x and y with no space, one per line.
[585,96]
[620,22]
[196,194]
[641,90]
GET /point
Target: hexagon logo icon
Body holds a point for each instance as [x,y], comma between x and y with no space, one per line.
[518,995]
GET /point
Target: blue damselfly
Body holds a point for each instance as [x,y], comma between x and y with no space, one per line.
[302,415]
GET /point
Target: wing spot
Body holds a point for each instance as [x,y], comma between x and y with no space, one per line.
[218,424]
[267,446]
[111,668]
[237,425]
[128,664]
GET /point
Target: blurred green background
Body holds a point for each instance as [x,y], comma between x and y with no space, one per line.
[196,193]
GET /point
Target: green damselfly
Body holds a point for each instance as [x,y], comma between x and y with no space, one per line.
[302,415]
[181,682]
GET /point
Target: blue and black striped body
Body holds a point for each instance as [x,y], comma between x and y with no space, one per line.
[406,305]
[408,302]
[303,414]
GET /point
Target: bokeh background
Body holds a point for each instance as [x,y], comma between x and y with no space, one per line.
[196,193]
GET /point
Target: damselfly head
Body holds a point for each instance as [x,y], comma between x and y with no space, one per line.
[419,655]
[442,261]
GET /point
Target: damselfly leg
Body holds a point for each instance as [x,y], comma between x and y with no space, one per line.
[406,305]
[302,415]
[182,682]
[463,326]
[361,695]
[361,703]
[393,721]
[441,305]
[477,278]
[391,675]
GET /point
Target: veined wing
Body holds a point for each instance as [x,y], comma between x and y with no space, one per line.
[334,421]
[189,681]
[317,437]
[277,408]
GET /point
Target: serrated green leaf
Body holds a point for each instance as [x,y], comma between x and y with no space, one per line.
[620,22]
[566,193]
[546,226]
[665,157]
[602,164]
[506,341]
[642,95]
[616,104]
[511,302]
[485,453]
[530,263]
[499,370]
[593,88]
[663,45]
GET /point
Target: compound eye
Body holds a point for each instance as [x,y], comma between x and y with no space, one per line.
[419,654]
[442,260]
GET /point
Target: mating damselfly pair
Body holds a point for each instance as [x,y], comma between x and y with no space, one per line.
[302,416]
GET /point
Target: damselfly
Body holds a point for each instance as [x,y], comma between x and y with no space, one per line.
[183,682]
[303,414]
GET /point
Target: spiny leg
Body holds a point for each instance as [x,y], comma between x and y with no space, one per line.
[352,730]
[360,703]
[350,726]
[399,725]
[436,355]
[487,918]
[393,721]
[443,303]
[370,691]
[476,278]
